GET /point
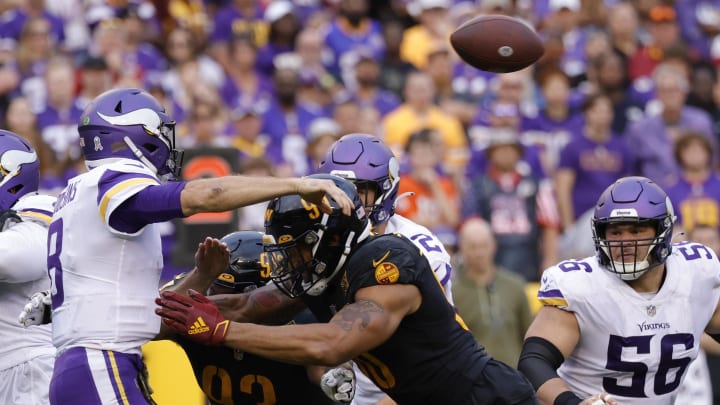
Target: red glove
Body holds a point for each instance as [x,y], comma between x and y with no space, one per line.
[196,317]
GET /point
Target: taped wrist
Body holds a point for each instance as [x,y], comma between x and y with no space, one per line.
[539,360]
[567,398]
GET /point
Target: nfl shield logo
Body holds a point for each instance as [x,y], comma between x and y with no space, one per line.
[651,310]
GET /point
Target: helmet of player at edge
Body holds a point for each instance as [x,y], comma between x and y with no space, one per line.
[129,123]
[367,162]
[245,270]
[308,247]
[634,200]
[19,169]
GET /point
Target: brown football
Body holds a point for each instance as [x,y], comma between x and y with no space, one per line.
[497,43]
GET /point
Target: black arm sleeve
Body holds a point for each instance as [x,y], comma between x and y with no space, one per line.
[715,336]
[539,360]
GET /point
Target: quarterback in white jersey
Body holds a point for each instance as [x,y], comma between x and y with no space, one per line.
[26,354]
[104,254]
[628,321]
[371,166]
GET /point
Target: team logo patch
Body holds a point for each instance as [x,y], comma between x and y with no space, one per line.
[651,310]
[386,273]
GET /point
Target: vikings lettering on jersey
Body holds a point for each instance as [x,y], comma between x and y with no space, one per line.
[635,346]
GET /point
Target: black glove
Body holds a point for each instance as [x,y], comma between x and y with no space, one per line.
[7,217]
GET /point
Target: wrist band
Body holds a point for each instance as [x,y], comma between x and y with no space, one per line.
[567,398]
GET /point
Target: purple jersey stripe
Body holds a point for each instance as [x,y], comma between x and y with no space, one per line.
[550,294]
[111,178]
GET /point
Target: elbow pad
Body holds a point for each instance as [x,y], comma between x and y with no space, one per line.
[539,361]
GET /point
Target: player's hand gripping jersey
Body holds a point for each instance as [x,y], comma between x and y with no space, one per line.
[624,335]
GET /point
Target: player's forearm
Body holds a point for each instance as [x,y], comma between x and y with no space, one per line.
[316,344]
[266,305]
[227,193]
[549,391]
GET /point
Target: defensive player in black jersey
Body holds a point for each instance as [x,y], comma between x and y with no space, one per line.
[232,376]
[394,320]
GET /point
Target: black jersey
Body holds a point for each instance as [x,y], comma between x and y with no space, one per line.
[431,358]
[230,376]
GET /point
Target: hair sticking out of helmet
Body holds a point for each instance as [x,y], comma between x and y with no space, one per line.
[367,162]
[306,248]
[633,200]
[129,123]
[245,271]
[19,169]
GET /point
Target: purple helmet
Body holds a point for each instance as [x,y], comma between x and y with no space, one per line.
[366,161]
[19,169]
[633,200]
[129,123]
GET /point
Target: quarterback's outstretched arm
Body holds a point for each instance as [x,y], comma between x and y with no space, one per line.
[231,192]
[357,328]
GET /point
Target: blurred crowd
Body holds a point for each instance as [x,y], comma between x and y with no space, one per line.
[624,88]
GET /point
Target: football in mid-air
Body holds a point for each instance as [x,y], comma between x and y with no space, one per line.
[497,43]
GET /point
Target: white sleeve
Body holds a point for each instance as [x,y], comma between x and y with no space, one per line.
[23,253]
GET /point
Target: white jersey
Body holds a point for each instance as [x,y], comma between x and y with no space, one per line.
[633,346]
[23,271]
[104,280]
[431,247]
[366,393]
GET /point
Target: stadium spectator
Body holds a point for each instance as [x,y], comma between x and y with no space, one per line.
[664,32]
[591,161]
[366,92]
[557,122]
[653,138]
[236,17]
[188,68]
[394,69]
[352,28]
[695,192]
[490,299]
[623,28]
[245,85]
[434,27]
[435,202]
[284,27]
[322,133]
[609,76]
[519,206]
[33,52]
[418,112]
[95,79]
[286,120]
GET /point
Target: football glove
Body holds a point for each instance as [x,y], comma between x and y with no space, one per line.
[338,383]
[195,317]
[7,218]
[37,311]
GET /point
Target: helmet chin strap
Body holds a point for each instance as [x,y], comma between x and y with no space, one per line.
[136,151]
